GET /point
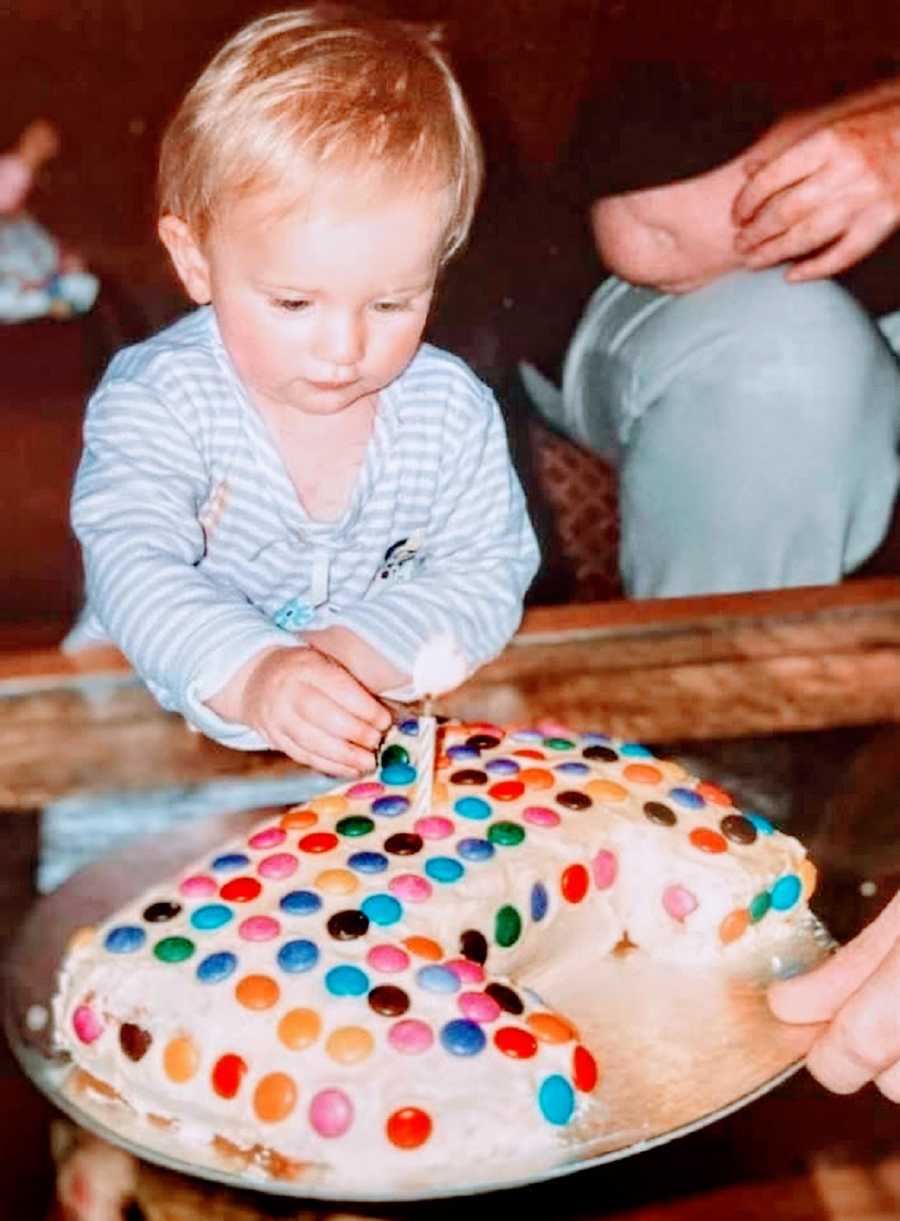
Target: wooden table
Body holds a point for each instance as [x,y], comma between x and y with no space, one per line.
[799,689]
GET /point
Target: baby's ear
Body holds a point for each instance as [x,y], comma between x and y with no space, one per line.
[187,256]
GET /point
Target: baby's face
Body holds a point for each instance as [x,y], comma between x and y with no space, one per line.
[323,302]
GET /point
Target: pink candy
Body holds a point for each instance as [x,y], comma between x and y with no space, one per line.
[259,928]
[270,837]
[365,791]
[478,1007]
[465,971]
[387,958]
[540,816]
[86,1024]
[411,1037]
[279,865]
[331,1113]
[605,869]
[434,827]
[411,887]
[679,902]
[198,887]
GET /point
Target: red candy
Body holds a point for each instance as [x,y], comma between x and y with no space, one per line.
[530,754]
[506,790]
[707,840]
[713,794]
[408,1128]
[318,841]
[514,1042]
[227,1074]
[575,883]
[240,890]
[584,1070]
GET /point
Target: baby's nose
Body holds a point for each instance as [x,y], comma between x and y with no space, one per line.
[341,340]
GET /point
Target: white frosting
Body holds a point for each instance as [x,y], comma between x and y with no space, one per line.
[484,1106]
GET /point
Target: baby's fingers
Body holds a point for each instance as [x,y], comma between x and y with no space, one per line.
[362,718]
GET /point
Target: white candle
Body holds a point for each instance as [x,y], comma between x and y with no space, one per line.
[424,766]
[439,666]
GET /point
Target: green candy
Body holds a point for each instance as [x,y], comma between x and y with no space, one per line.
[507,926]
[173,949]
[559,744]
[759,905]
[394,754]
[507,834]
[355,825]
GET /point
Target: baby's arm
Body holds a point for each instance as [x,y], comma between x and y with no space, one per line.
[674,238]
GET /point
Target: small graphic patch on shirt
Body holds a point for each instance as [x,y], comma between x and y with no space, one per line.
[402,559]
[293,615]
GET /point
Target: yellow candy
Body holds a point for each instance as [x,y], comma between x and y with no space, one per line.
[81,938]
[605,790]
[274,1097]
[181,1059]
[350,1044]
[299,1028]
[549,1028]
[330,805]
[257,992]
[670,768]
[337,882]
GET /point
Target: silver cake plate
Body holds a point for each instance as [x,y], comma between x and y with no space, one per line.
[678,1048]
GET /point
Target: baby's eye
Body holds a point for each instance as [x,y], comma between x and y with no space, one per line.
[391,307]
[291,304]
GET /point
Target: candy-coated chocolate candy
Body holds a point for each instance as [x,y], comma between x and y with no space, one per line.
[688,799]
[708,840]
[463,1038]
[506,790]
[572,767]
[809,877]
[297,956]
[330,805]
[395,753]
[515,1042]
[679,902]
[713,794]
[269,837]
[540,901]
[368,862]
[472,807]
[444,869]
[786,892]
[257,992]
[278,866]
[540,816]
[468,775]
[556,1099]
[347,981]
[227,1075]
[347,925]
[502,767]
[596,738]
[635,750]
[198,886]
[436,978]
[86,1024]
[241,890]
[216,967]
[462,754]
[574,883]
[659,813]
[350,1044]
[478,1007]
[600,754]
[228,862]
[383,910]
[318,842]
[258,928]
[336,882]
[354,826]
[387,958]
[550,1028]
[466,971]
[474,849]
[274,1098]
[434,827]
[159,913]
[604,869]
[300,902]
[181,1059]
[124,939]
[390,807]
[605,790]
[410,727]
[331,1113]
[642,773]
[528,753]
[173,949]
[211,916]
[559,744]
[573,799]
[738,829]
[408,1128]
[299,1028]
[734,925]
[388,1000]
[584,1070]
[509,1001]
[526,735]
[763,826]
[482,741]
[473,945]
[507,926]
[424,947]
[134,1040]
[404,843]
[759,905]
[410,888]
[397,774]
[537,778]
[506,834]
[366,790]
[410,1036]
[299,819]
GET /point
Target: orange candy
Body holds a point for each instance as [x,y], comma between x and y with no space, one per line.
[331,805]
[527,753]
[350,1044]
[549,1028]
[438,794]
[809,876]
[713,794]
[424,947]
[337,882]
[299,819]
[708,840]
[299,1028]
[734,925]
[181,1059]
[257,992]
[642,773]
[605,790]
[408,1128]
[537,778]
[274,1097]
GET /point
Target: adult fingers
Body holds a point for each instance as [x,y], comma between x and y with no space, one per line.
[791,167]
[889,1082]
[842,254]
[800,204]
[818,995]
[809,234]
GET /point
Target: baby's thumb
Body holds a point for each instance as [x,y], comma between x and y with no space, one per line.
[817,996]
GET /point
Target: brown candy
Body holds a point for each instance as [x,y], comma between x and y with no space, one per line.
[738,829]
[660,814]
[349,924]
[388,1000]
[573,800]
[468,775]
[134,1041]
[473,945]
[603,754]
[508,1000]
[404,843]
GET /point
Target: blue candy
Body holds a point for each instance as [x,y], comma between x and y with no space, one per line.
[300,902]
[539,901]
[347,981]
[216,967]
[382,909]
[763,826]
[124,939]
[463,1038]
[210,916]
[444,869]
[434,978]
[786,892]
[368,862]
[556,1098]
[472,807]
[229,861]
[472,849]
[298,956]
[397,773]
[390,807]
[687,798]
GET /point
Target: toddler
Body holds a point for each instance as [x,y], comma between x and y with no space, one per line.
[282,495]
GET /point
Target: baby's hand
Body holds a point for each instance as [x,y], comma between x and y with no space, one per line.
[308,706]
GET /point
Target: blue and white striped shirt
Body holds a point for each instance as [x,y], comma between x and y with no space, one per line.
[194,537]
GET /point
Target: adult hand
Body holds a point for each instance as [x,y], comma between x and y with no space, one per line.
[309,707]
[856,994]
[822,190]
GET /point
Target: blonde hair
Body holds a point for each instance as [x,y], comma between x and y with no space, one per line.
[341,89]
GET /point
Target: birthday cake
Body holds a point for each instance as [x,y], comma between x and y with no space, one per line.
[342,995]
